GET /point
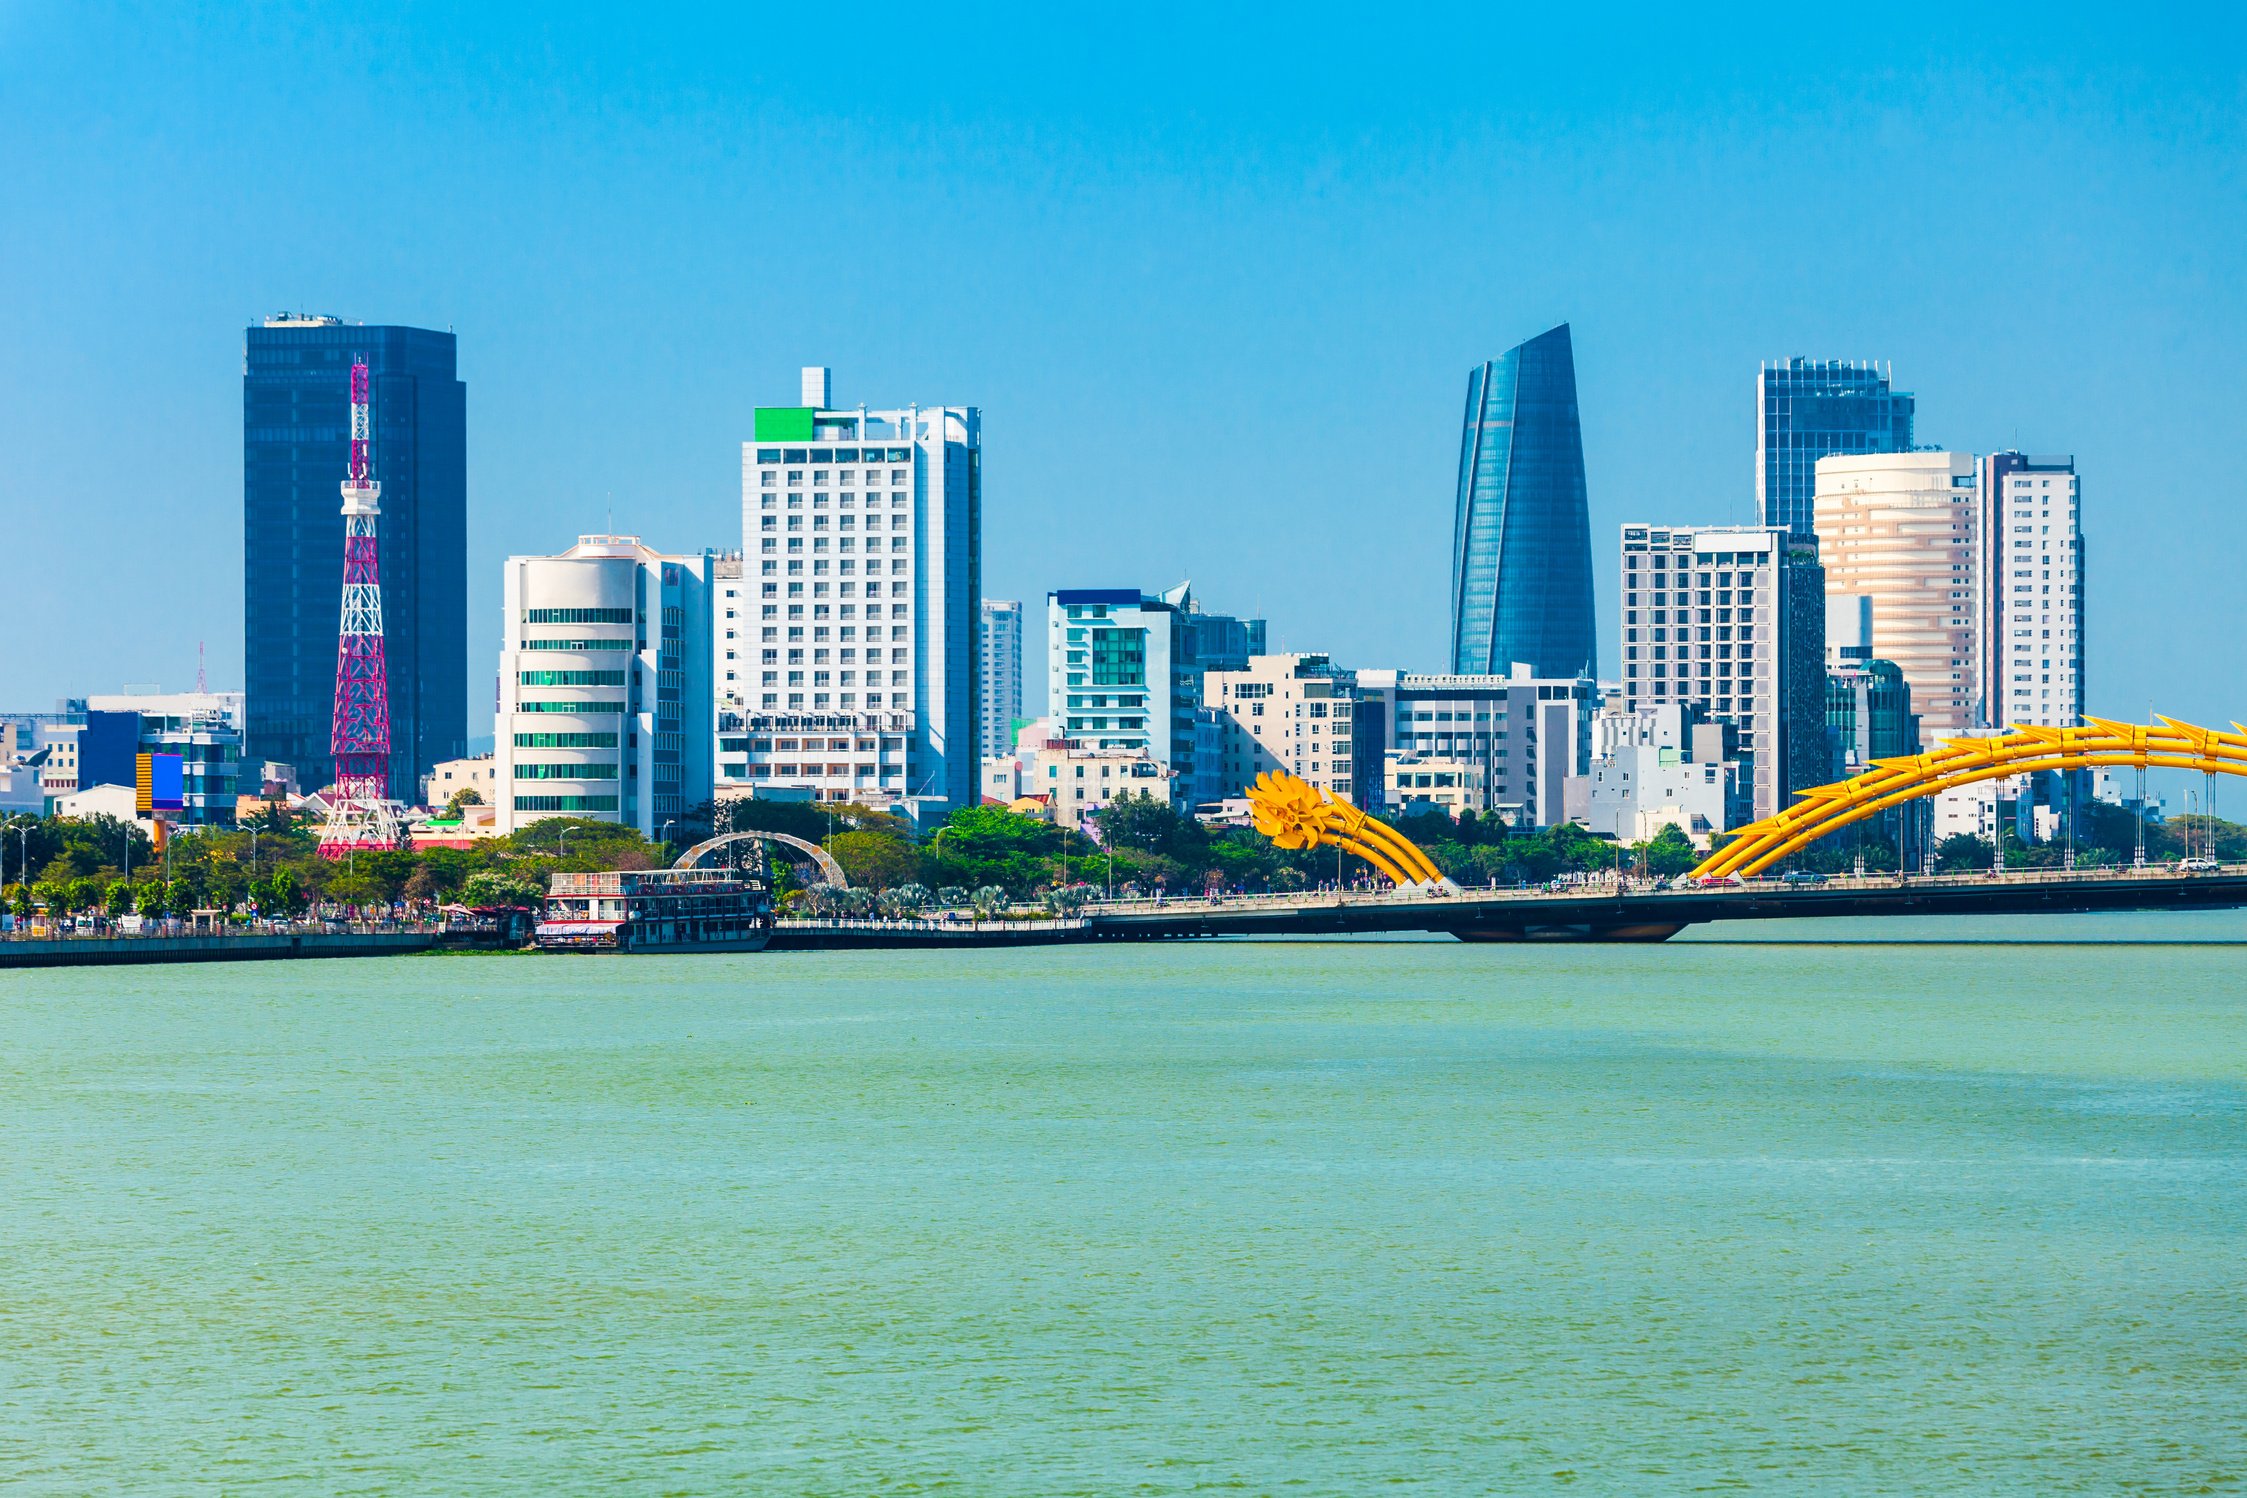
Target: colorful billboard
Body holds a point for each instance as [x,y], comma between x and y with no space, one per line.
[159,783]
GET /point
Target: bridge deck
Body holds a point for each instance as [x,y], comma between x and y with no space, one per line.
[1602,913]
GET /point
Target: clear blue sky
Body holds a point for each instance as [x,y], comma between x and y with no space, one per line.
[1215,279]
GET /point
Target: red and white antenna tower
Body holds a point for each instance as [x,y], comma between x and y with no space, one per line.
[362,814]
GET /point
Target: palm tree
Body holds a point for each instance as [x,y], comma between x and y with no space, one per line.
[908,899]
[951,897]
[989,901]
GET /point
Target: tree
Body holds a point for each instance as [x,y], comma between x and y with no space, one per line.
[19,901]
[120,898]
[355,886]
[874,860]
[85,894]
[1962,853]
[1150,824]
[1669,853]
[287,891]
[421,885]
[273,816]
[180,898]
[489,888]
[467,795]
[904,899]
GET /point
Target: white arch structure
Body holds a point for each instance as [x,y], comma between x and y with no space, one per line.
[702,852]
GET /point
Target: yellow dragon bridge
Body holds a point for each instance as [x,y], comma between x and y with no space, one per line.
[2101,742]
[1295,814]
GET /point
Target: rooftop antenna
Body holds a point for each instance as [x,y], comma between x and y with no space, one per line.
[201,686]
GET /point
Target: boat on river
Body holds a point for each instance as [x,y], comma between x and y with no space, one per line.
[657,910]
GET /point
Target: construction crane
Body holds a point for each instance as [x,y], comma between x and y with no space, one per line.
[362,815]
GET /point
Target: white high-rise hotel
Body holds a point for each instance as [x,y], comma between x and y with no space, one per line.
[859,597]
[2032,595]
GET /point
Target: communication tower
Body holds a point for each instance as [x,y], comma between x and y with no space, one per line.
[362,815]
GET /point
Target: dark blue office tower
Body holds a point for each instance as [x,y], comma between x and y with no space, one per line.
[1807,409]
[1521,541]
[296,399]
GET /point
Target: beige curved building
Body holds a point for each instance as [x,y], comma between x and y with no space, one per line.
[1904,529]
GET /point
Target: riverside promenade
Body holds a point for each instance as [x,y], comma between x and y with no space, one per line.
[252,946]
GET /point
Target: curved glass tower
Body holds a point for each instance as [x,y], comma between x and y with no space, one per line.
[1521,541]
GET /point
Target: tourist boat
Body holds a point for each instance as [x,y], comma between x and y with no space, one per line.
[656,910]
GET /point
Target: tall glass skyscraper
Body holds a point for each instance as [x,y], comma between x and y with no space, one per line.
[1816,408]
[1521,540]
[296,400]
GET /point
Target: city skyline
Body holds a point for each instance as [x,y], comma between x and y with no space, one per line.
[593,400]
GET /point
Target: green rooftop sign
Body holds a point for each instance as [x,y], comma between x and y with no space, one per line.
[784,423]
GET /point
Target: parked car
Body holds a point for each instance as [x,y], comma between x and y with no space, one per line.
[2199,866]
[1801,876]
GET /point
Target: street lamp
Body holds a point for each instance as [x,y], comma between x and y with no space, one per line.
[561,840]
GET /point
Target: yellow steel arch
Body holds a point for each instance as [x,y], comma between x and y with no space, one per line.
[2019,751]
[1296,814]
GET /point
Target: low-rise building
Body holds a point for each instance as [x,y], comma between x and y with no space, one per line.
[1295,713]
[1656,767]
[449,777]
[204,729]
[1069,780]
[1521,735]
[1412,782]
[1967,810]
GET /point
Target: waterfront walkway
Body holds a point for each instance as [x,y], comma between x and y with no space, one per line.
[247,946]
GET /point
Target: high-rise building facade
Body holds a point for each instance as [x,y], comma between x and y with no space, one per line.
[1906,531]
[296,429]
[1807,409]
[1521,542]
[1118,675]
[999,657]
[1731,620]
[1124,670]
[606,700]
[2032,592]
[861,542]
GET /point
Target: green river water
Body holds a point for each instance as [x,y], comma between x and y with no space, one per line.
[1290,1217]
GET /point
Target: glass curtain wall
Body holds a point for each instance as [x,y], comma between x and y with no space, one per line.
[1521,552]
